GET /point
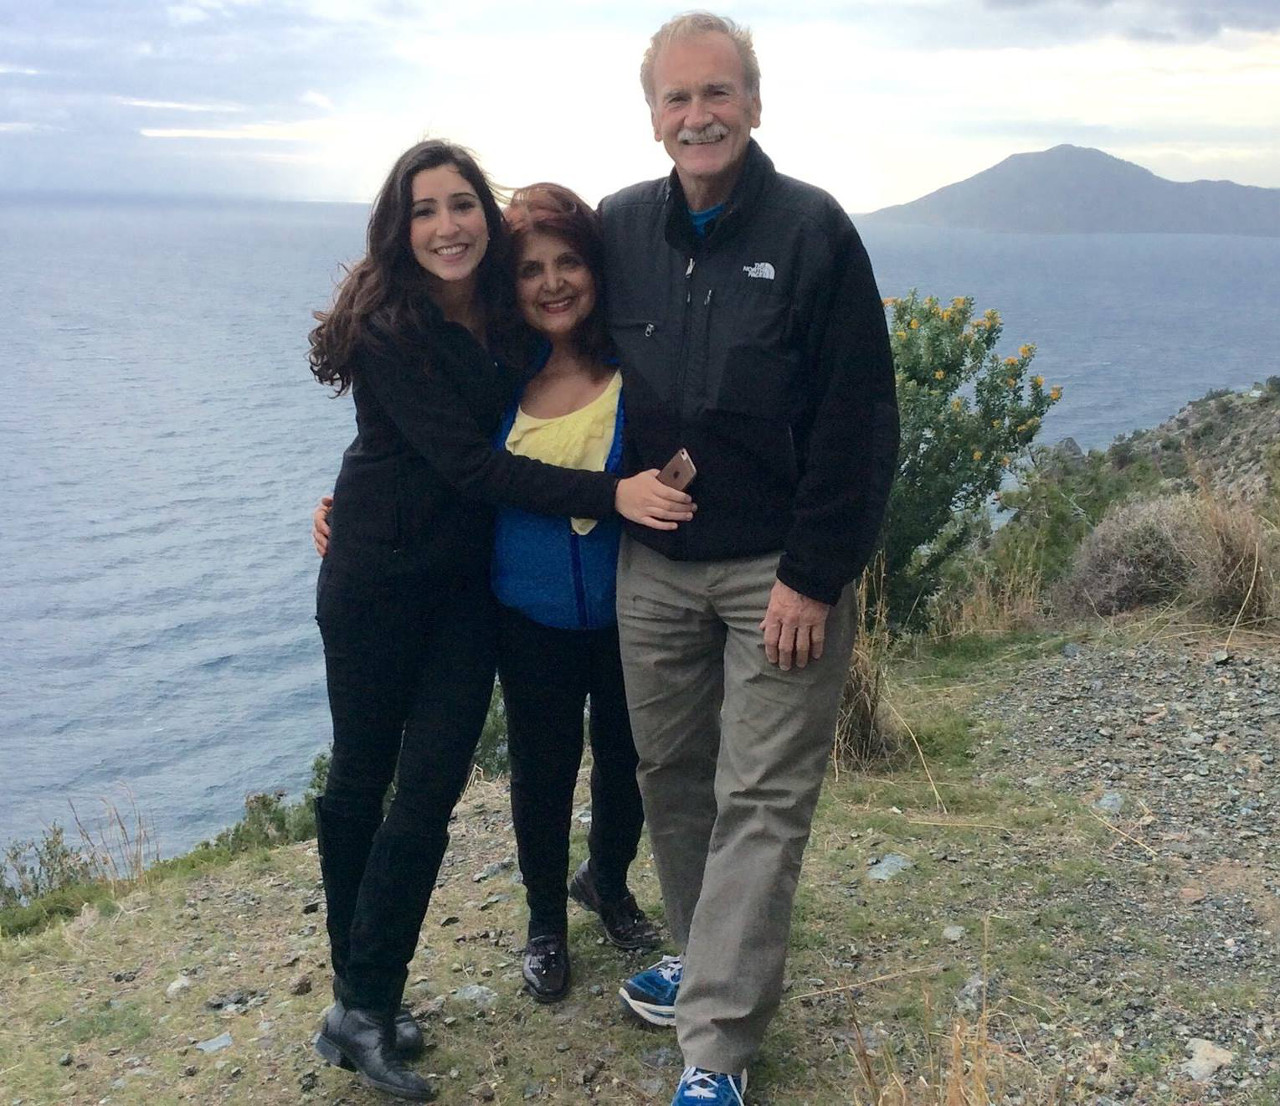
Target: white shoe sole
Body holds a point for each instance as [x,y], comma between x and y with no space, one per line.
[663,1016]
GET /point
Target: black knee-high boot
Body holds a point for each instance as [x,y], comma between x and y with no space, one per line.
[399,876]
[344,851]
[344,844]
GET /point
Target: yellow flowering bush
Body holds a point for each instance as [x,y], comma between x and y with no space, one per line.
[967,414]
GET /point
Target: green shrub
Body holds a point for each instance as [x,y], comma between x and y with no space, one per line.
[967,416]
[1053,509]
[34,867]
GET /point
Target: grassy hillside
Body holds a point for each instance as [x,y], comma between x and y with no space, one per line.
[1037,944]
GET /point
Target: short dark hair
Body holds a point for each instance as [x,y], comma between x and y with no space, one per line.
[561,212]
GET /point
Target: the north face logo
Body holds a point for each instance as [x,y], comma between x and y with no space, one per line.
[761,270]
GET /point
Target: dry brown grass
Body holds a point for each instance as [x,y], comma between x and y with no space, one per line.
[993,601]
[865,730]
[114,849]
[965,1067]
[1202,550]
[120,846]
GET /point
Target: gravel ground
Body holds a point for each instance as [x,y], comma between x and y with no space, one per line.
[1176,936]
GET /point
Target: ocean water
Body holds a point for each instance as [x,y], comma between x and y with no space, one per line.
[1132,326]
[163,443]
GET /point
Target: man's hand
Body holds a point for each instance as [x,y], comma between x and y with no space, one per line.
[794,627]
[320,524]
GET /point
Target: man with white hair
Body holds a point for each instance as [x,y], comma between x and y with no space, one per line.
[752,336]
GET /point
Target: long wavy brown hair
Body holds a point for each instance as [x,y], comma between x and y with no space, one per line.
[383,302]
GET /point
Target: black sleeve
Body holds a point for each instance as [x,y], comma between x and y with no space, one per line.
[427,409]
[853,442]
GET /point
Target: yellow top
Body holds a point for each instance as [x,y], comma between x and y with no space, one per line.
[579,440]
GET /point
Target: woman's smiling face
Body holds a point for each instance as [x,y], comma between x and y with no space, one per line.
[447,231]
[554,285]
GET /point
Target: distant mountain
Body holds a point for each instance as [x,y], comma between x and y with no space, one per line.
[1077,189]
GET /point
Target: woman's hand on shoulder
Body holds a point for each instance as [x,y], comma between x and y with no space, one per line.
[643,498]
[320,524]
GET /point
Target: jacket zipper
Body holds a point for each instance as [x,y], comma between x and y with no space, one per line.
[684,339]
[579,587]
[680,539]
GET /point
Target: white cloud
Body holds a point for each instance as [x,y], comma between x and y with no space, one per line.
[305,130]
[184,15]
[879,101]
[878,125]
[18,71]
[174,105]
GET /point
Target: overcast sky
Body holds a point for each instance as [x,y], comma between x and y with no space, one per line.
[879,101]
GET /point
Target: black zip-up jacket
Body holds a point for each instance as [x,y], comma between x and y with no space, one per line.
[762,349]
[416,482]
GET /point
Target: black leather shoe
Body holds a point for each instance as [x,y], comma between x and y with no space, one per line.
[364,1041]
[625,924]
[546,968]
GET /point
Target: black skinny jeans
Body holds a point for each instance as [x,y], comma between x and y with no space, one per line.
[409,657]
[547,676]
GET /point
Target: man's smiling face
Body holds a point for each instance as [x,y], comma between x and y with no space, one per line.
[703,114]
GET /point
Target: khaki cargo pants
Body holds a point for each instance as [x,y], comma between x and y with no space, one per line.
[732,756]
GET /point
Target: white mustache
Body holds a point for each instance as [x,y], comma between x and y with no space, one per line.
[712,132]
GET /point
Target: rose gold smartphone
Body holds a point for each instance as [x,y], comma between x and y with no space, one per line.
[679,472]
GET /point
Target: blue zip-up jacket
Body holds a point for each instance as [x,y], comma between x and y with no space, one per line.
[545,570]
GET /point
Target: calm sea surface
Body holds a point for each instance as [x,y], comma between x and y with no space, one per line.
[162,444]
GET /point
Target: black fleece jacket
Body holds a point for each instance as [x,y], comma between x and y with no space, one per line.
[762,349]
[416,482]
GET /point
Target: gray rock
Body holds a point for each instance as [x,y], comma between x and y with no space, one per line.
[972,996]
[1110,803]
[1206,1058]
[215,1044]
[481,996]
[664,1057]
[179,986]
[953,933]
[1070,650]
[888,866]
[491,870]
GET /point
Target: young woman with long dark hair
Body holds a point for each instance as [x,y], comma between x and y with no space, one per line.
[403,599]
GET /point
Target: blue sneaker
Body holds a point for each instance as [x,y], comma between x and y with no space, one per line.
[651,994]
[699,1087]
